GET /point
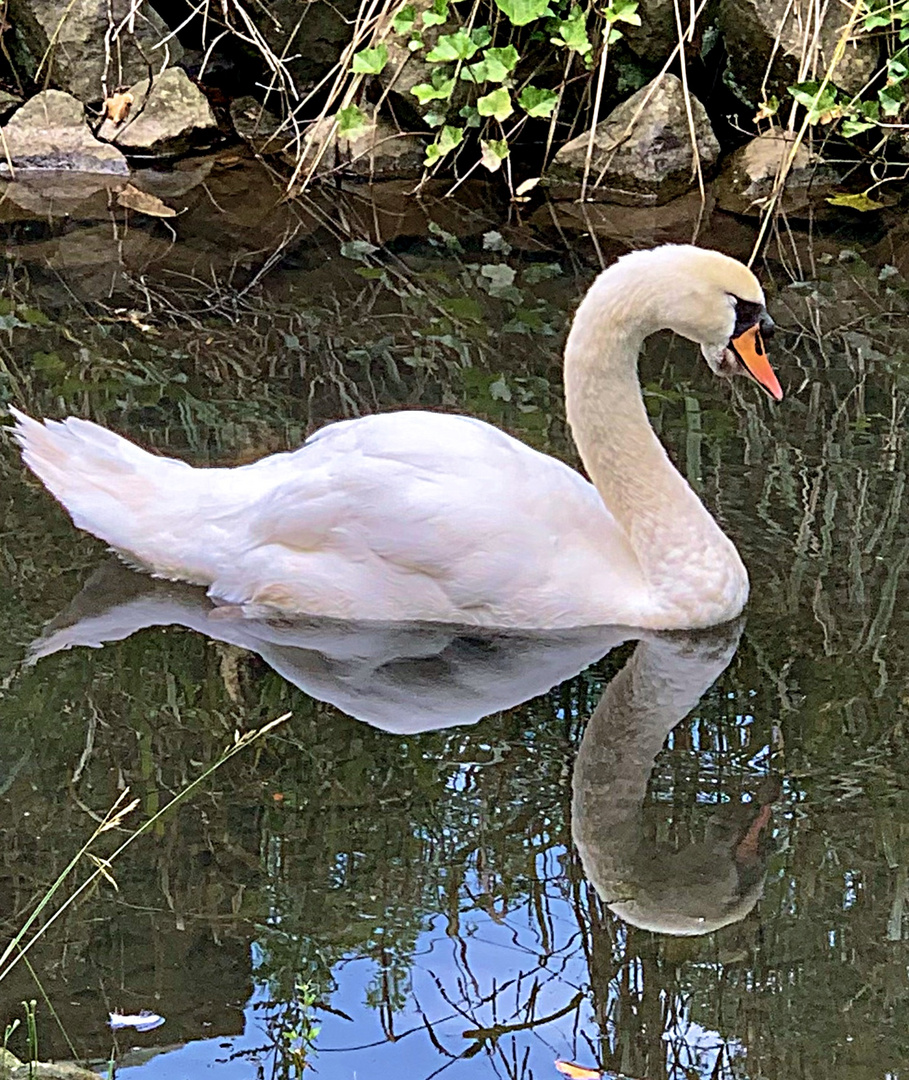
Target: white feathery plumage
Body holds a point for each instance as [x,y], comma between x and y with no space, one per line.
[425,516]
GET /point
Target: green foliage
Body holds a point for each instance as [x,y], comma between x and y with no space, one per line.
[496,104]
[437,14]
[536,101]
[492,72]
[371,61]
[522,12]
[448,139]
[439,87]
[886,102]
[571,33]
[404,19]
[458,46]
[352,121]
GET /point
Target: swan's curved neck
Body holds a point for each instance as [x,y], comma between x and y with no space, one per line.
[692,570]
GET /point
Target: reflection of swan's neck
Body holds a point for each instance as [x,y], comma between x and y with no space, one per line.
[626,732]
[698,888]
[683,553]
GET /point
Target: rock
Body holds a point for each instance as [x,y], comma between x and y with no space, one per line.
[73,35]
[755,31]
[50,132]
[630,226]
[656,37]
[8,104]
[309,37]
[749,175]
[642,153]
[257,126]
[167,117]
[42,196]
[381,150]
[176,179]
[52,1070]
[8,1062]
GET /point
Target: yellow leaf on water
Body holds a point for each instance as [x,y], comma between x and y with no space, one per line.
[134,199]
[860,201]
[578,1072]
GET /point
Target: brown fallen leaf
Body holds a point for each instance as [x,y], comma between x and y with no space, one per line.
[117,106]
[134,199]
[578,1072]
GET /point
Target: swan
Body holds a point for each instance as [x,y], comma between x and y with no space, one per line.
[419,516]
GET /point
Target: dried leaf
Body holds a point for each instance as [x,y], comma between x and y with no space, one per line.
[118,106]
[134,199]
[859,201]
[578,1072]
[527,185]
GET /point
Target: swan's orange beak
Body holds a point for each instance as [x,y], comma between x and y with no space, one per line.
[749,348]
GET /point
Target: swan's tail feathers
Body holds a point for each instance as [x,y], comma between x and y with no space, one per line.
[110,487]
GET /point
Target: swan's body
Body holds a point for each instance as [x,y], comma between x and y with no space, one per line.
[421,516]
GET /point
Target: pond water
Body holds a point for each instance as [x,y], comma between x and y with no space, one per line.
[410,875]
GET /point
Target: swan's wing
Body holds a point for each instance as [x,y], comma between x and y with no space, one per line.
[428,516]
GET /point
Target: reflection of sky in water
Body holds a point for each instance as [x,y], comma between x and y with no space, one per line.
[479,979]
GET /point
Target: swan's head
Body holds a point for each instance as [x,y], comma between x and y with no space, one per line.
[714,300]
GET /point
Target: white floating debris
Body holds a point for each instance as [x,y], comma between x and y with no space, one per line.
[143,1021]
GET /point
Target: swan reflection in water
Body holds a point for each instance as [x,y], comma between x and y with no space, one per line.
[407,679]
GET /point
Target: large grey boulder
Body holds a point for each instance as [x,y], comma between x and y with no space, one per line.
[642,151]
[168,116]
[72,35]
[750,175]
[379,151]
[657,36]
[50,132]
[756,31]
[258,126]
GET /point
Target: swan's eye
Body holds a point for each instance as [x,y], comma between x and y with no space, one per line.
[748,314]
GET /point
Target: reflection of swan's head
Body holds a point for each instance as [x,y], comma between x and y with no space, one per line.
[707,297]
[705,885]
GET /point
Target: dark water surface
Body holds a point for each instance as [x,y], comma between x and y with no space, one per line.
[699,869]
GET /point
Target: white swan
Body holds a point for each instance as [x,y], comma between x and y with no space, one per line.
[423,516]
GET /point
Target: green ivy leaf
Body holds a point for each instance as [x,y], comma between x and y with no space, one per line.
[370,61]
[817,102]
[403,21]
[453,47]
[572,33]
[352,122]
[470,114]
[625,11]
[851,128]
[494,152]
[449,138]
[495,67]
[536,101]
[437,14]
[439,87]
[497,104]
[891,99]
[521,12]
